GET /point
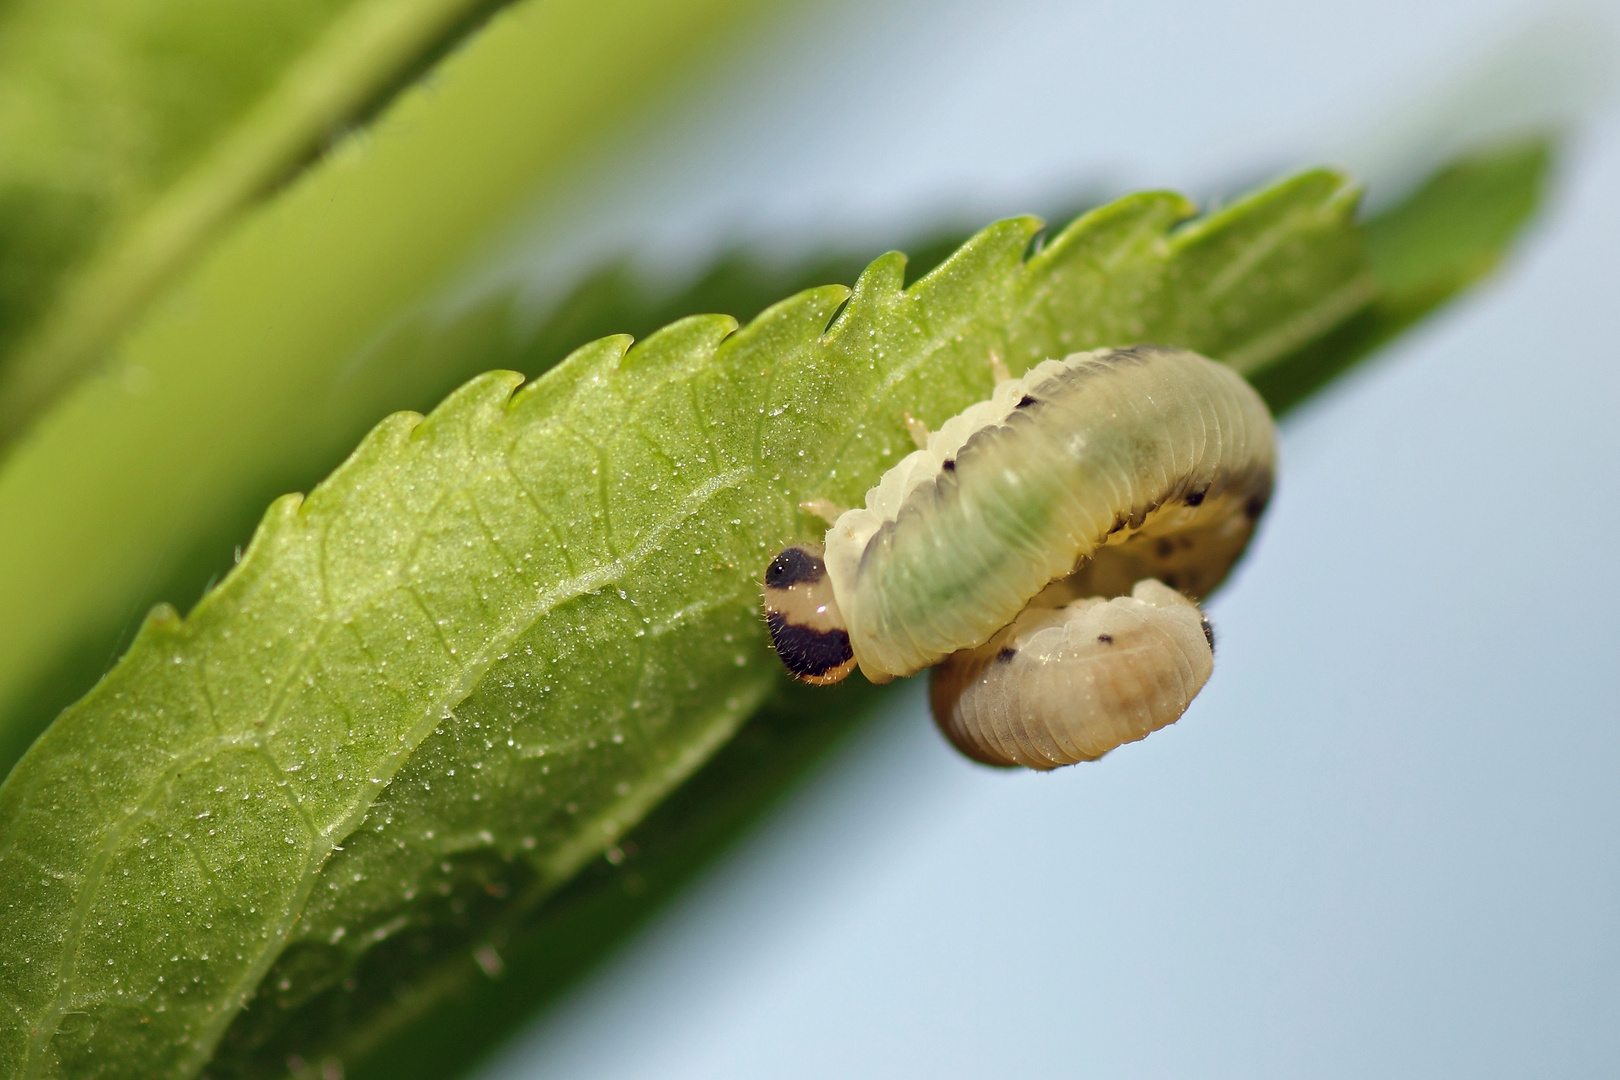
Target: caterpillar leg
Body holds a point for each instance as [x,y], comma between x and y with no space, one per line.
[1064,684]
[917,430]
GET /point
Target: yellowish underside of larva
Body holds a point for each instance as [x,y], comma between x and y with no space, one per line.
[1068,684]
[1110,466]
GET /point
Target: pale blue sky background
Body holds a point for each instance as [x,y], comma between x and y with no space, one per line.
[1385,841]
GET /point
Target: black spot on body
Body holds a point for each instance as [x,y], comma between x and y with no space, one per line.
[806,652]
[1254,507]
[950,465]
[1025,402]
[1209,631]
[1165,548]
[1194,498]
[794,566]
[1005,656]
[1106,639]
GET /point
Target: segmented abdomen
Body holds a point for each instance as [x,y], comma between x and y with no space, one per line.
[1068,684]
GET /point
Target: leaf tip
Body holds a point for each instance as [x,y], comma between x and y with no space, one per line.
[695,333]
[1152,212]
[883,276]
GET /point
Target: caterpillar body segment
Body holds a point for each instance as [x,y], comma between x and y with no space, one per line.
[1118,464]
[1070,683]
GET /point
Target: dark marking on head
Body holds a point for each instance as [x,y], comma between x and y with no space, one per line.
[1106,639]
[1209,631]
[794,566]
[1194,498]
[1025,402]
[1254,507]
[809,654]
[1005,656]
[1165,548]
[949,465]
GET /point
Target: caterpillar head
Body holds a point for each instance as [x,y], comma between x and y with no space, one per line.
[807,630]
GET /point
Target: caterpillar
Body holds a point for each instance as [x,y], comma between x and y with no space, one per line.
[1044,551]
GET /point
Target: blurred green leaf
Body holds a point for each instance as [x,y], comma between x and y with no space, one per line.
[268,360]
[495,638]
[1450,232]
[132,130]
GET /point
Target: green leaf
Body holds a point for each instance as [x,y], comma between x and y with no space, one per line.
[374,1030]
[1449,233]
[132,130]
[263,365]
[544,951]
[495,638]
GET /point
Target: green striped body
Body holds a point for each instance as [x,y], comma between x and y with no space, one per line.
[1131,463]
